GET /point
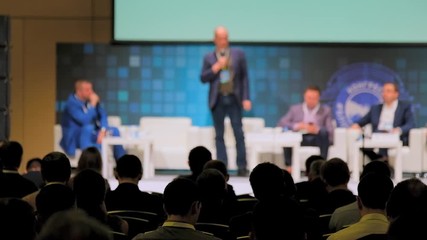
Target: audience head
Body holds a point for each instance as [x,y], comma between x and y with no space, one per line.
[267,181]
[90,158]
[408,226]
[17,220]
[315,169]
[53,198]
[379,167]
[128,166]
[197,158]
[218,165]
[181,197]
[72,225]
[56,167]
[374,190]
[335,172]
[290,188]
[309,161]
[12,155]
[89,188]
[312,96]
[212,185]
[406,198]
[34,165]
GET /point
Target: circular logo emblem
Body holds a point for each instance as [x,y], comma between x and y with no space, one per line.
[354,101]
[354,88]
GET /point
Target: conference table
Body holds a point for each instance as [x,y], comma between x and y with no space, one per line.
[142,139]
[260,141]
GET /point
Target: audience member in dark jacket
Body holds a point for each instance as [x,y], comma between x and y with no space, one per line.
[197,158]
[276,215]
[127,195]
[336,175]
[12,184]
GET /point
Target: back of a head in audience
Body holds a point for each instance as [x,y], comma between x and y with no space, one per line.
[406,198]
[315,168]
[408,226]
[17,219]
[197,158]
[90,158]
[89,188]
[53,198]
[290,188]
[267,181]
[379,167]
[181,198]
[56,167]
[72,225]
[309,161]
[374,190]
[12,155]
[218,165]
[128,167]
[212,185]
[335,173]
[34,165]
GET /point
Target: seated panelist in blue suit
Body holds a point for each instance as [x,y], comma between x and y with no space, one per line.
[84,121]
[393,116]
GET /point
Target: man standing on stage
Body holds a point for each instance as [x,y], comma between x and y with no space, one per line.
[225,70]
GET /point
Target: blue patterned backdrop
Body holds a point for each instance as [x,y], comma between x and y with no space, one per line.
[163,80]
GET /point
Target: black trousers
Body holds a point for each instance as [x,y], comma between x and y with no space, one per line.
[321,140]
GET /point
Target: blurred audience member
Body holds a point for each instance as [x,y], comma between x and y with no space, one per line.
[374,190]
[33,172]
[72,225]
[182,205]
[197,158]
[127,195]
[55,169]
[12,184]
[17,220]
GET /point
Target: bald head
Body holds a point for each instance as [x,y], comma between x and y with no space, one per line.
[221,38]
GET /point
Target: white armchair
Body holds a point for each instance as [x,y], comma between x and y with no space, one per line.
[57,136]
[412,155]
[173,138]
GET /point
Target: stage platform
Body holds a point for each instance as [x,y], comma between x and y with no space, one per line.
[241,185]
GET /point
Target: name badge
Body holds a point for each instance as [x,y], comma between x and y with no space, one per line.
[224,76]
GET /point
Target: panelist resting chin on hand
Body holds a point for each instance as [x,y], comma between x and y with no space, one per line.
[84,121]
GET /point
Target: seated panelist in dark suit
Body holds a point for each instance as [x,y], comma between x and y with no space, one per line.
[84,121]
[311,118]
[393,116]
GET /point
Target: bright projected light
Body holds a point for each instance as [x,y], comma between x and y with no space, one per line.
[271,21]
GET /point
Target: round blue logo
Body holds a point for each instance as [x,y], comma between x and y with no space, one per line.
[353,89]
